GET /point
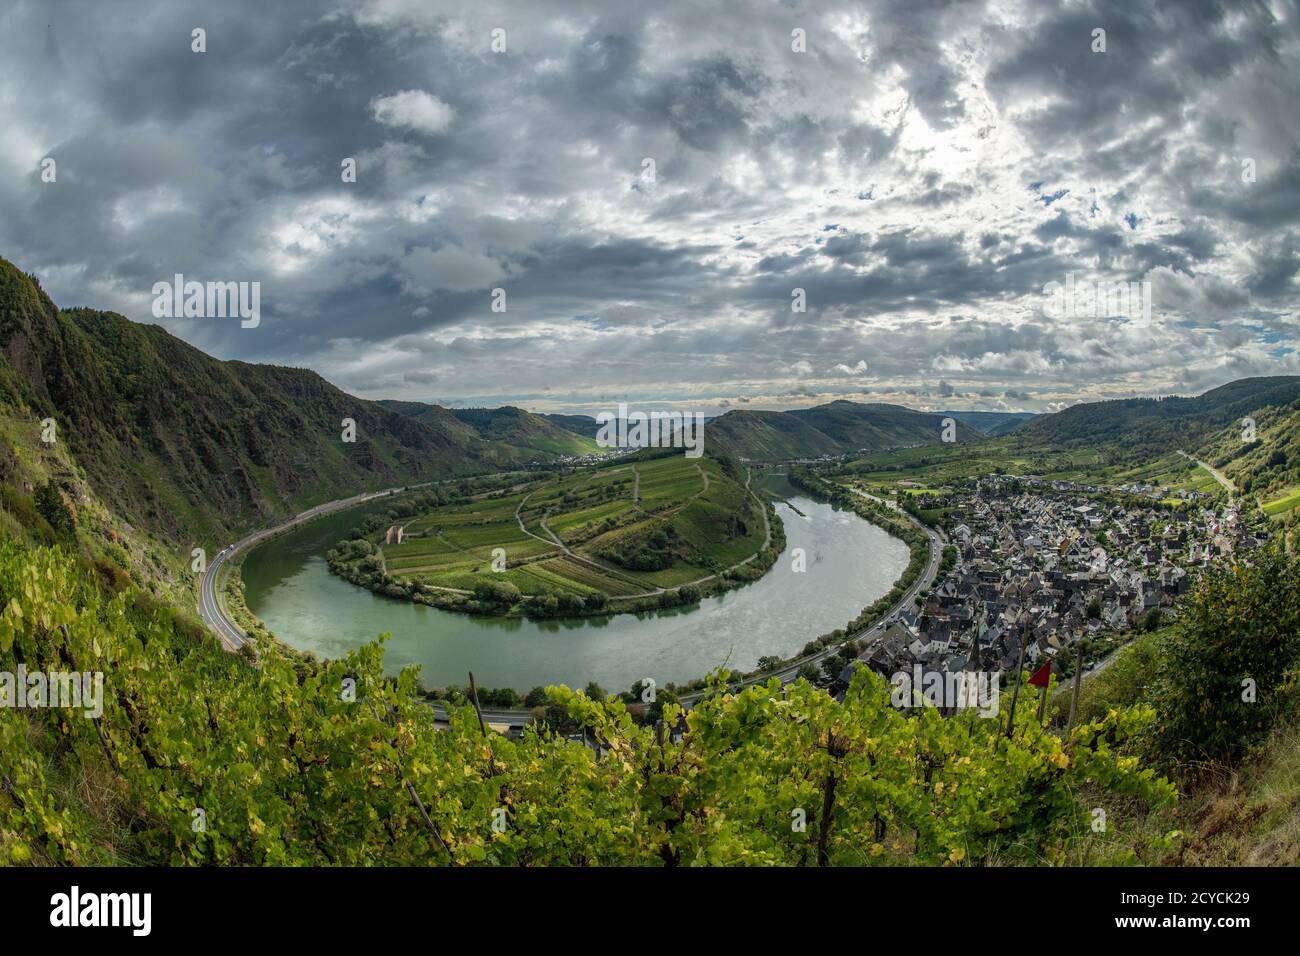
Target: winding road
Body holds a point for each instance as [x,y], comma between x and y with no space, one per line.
[211,608]
[1219,476]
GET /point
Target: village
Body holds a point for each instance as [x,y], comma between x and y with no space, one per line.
[1050,564]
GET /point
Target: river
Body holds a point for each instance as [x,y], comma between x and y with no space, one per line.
[850,563]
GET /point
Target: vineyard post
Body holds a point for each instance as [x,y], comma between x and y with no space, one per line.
[1015,695]
[1074,696]
[1043,695]
[473,693]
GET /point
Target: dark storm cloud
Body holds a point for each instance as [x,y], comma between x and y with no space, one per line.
[657,180]
[1275,274]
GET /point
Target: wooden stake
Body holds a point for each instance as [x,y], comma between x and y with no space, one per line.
[1015,695]
[473,693]
[1074,695]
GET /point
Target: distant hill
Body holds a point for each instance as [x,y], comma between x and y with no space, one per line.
[833,429]
[993,423]
[855,425]
[1145,427]
[435,416]
[768,436]
[514,428]
[584,425]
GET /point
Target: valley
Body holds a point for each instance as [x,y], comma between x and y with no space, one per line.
[288,585]
[449,436]
[806,552]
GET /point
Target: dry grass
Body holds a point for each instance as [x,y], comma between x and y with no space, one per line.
[1248,815]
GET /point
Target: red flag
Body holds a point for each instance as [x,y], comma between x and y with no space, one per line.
[1043,676]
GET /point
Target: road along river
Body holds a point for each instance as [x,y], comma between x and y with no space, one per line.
[849,563]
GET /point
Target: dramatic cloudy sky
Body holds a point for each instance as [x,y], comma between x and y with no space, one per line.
[921,171]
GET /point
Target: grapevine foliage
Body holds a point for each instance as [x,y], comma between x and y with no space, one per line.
[200,758]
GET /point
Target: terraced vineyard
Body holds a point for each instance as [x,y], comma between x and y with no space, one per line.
[937,467]
[624,532]
[1288,502]
[1172,471]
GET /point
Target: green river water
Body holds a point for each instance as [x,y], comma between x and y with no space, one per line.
[850,563]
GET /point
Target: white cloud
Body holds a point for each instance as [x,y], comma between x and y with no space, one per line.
[413,109]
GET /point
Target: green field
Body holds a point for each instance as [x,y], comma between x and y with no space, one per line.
[1171,471]
[1287,502]
[934,467]
[623,530]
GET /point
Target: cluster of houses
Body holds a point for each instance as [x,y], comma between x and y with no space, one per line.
[565,463]
[1040,564]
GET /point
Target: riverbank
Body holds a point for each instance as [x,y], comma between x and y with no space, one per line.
[288,586]
[486,603]
[530,587]
[835,649]
[215,585]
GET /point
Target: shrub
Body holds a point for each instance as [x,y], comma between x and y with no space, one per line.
[570,603]
[501,593]
[535,698]
[1229,665]
[50,503]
